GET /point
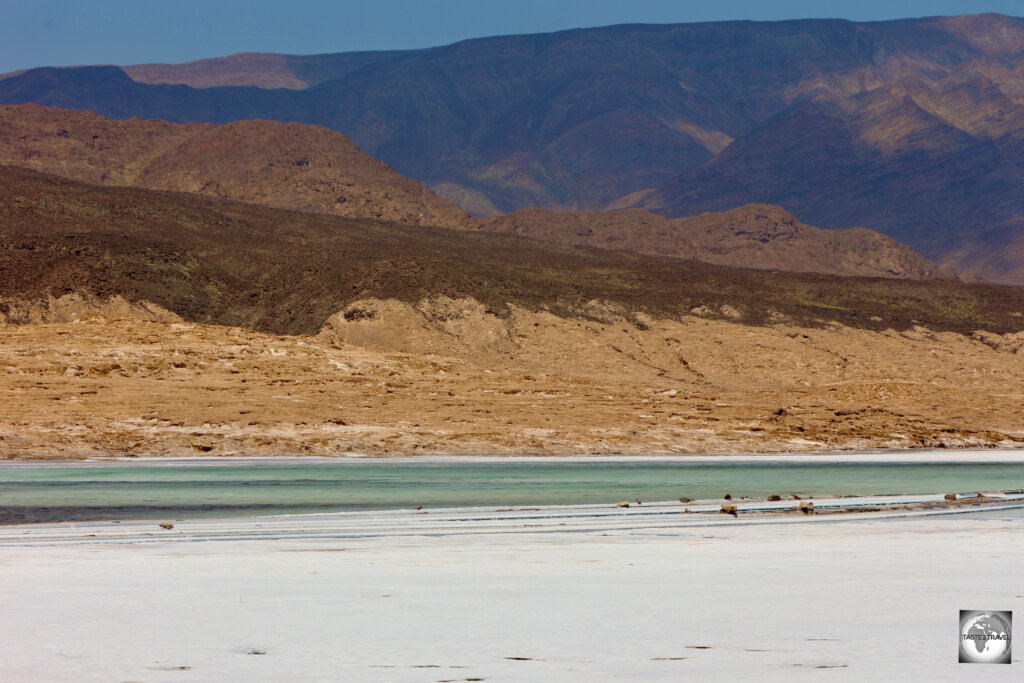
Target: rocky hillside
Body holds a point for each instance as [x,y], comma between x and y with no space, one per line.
[752,236]
[414,340]
[914,127]
[225,262]
[309,168]
[313,169]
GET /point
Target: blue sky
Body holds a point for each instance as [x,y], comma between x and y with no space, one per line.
[67,32]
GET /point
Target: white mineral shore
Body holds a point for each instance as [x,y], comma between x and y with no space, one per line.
[556,594]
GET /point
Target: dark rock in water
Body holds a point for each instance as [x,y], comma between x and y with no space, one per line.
[950,496]
[255,651]
[684,499]
[166,525]
[728,496]
[728,510]
[772,498]
[637,501]
[418,507]
[795,497]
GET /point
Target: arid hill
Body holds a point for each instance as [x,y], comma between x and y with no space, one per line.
[312,169]
[752,236]
[109,381]
[217,261]
[912,127]
[142,322]
[295,166]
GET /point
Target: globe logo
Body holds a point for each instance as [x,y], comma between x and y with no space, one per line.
[985,637]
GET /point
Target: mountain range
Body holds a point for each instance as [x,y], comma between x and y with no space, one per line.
[913,127]
[310,168]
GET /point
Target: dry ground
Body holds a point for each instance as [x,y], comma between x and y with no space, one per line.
[445,376]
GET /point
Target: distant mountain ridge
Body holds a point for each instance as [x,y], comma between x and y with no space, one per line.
[259,69]
[912,127]
[310,168]
[750,236]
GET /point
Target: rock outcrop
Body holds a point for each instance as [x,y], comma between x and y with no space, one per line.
[751,236]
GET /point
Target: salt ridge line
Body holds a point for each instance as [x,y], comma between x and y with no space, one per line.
[410,524]
[468,513]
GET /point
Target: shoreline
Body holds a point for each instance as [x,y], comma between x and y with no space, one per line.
[998,455]
[550,518]
[174,490]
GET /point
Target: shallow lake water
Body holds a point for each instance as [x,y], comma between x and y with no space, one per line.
[50,492]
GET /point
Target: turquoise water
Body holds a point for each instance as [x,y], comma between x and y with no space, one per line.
[147,490]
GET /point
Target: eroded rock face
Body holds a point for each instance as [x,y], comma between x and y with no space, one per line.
[599,384]
[606,340]
[439,325]
[72,307]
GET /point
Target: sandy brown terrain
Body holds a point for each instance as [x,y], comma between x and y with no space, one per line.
[446,376]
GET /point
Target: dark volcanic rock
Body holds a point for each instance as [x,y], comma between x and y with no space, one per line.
[212,260]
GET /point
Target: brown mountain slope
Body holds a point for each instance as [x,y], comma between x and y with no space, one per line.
[634,230]
[85,146]
[313,169]
[295,166]
[766,236]
[752,236]
[226,262]
[998,250]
